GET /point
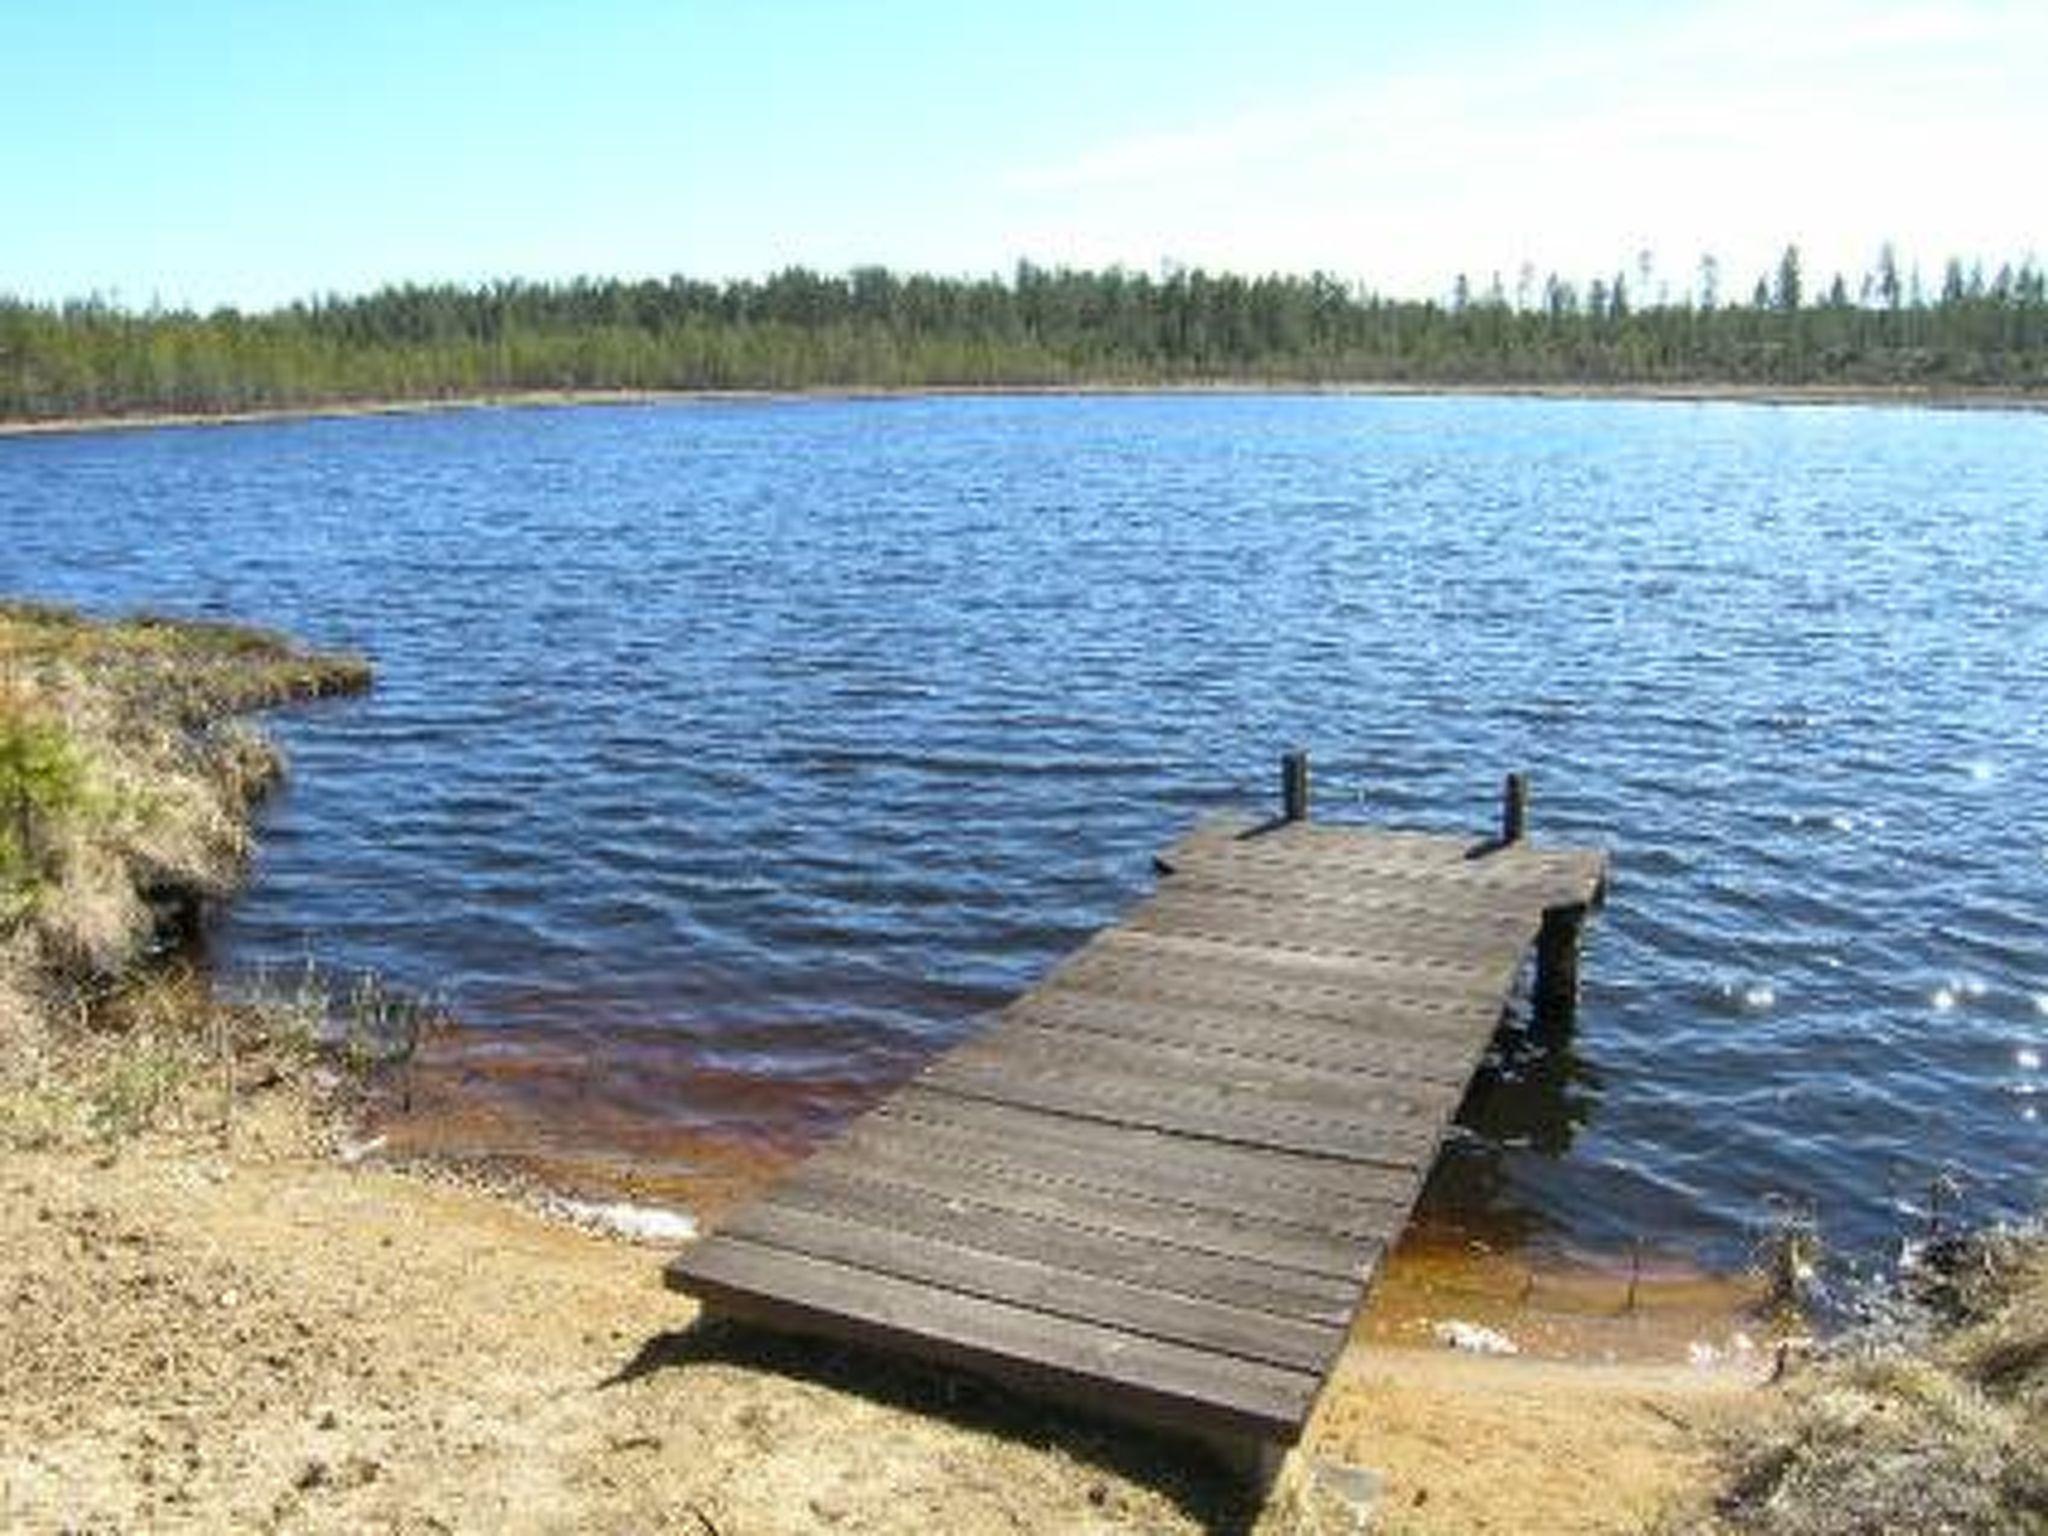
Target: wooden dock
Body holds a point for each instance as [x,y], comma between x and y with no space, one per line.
[1160,1183]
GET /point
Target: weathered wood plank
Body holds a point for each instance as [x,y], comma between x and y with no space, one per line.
[1309,840]
[1326,845]
[1405,976]
[1359,898]
[1203,1077]
[946,1168]
[1105,1368]
[1441,1058]
[1211,1175]
[1359,1136]
[1064,1283]
[1467,942]
[1138,972]
[1544,876]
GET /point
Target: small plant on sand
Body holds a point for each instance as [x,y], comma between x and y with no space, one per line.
[137,1086]
[296,1005]
[1788,1256]
[383,1026]
[367,1029]
[42,781]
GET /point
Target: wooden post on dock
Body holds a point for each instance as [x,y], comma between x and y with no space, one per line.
[1514,809]
[1294,785]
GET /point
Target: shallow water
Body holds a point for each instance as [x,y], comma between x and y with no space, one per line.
[727,759]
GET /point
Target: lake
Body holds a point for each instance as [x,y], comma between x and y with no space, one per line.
[729,758]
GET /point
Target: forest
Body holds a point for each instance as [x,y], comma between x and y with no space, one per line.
[797,329]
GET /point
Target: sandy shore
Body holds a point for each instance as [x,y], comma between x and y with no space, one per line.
[272,1339]
[1954,399]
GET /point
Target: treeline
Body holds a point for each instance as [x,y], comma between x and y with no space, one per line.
[872,327]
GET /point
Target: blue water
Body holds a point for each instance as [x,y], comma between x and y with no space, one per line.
[726,759]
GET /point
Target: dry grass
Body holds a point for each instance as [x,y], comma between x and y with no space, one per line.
[194,672]
[155,1052]
[1936,1421]
[126,781]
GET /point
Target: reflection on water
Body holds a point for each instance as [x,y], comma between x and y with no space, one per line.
[1528,1101]
[1533,1091]
[727,760]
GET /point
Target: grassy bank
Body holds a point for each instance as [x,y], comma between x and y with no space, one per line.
[128,771]
[1934,1418]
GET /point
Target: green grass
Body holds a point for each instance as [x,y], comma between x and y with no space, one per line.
[42,780]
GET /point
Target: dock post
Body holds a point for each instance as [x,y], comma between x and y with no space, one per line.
[1557,969]
[1294,785]
[1514,809]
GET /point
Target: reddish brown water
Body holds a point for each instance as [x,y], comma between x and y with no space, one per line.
[602,1118]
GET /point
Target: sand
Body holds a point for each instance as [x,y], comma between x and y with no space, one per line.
[269,1338]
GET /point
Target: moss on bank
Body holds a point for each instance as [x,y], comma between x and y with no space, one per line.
[127,777]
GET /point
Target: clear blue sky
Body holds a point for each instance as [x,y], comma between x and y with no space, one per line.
[211,151]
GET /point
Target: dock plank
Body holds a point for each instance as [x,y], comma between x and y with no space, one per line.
[1061,1283]
[1242,1032]
[1140,973]
[1103,1368]
[1384,897]
[1468,944]
[1296,966]
[1359,1136]
[983,1214]
[1209,1175]
[1564,877]
[1184,1073]
[1289,1253]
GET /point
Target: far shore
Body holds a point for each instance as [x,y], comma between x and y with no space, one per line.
[1945,398]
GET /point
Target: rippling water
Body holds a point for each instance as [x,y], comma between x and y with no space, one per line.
[728,758]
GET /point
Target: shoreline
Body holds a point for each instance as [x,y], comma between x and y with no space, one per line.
[475,1103]
[439,1353]
[1939,398]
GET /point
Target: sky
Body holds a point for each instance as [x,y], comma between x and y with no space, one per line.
[250,152]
